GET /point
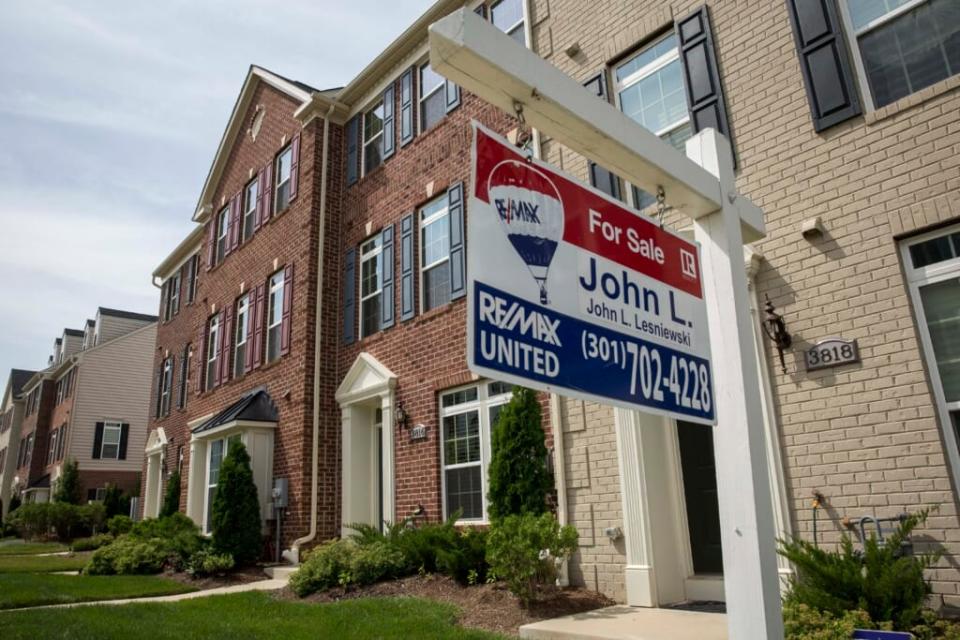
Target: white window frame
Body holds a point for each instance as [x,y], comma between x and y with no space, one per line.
[225,448]
[917,278]
[240,339]
[223,230]
[113,426]
[278,182]
[861,71]
[522,21]
[249,209]
[52,447]
[194,264]
[166,387]
[374,253]
[276,289]
[423,98]
[363,136]
[173,297]
[482,406]
[424,223]
[210,363]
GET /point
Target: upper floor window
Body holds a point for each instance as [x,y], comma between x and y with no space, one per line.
[223,228]
[192,267]
[903,46]
[250,207]
[166,386]
[435,253]
[240,339]
[371,285]
[507,16]
[283,172]
[182,383]
[213,341]
[110,447]
[433,104]
[649,89]
[52,446]
[61,442]
[173,296]
[373,138]
[275,316]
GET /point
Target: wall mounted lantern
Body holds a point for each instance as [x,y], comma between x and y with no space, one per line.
[401,416]
[776,330]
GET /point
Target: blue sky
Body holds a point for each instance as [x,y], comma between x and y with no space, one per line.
[110,112]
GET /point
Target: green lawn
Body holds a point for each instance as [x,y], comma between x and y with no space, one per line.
[245,615]
[43,564]
[16,547]
[35,589]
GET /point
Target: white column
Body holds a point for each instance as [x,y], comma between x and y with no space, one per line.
[386,434]
[746,518]
[346,463]
[152,494]
[197,481]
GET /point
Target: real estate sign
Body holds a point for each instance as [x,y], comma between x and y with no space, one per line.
[571,292]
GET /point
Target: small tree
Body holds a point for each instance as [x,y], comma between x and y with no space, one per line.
[236,508]
[68,484]
[115,501]
[519,480]
[171,498]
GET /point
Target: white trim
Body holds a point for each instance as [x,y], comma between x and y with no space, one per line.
[421,98]
[112,425]
[374,253]
[277,287]
[239,339]
[422,225]
[885,18]
[277,183]
[377,102]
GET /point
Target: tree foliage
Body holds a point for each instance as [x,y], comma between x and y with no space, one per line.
[236,508]
[68,484]
[171,497]
[518,477]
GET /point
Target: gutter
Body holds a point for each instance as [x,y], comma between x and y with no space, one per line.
[293,553]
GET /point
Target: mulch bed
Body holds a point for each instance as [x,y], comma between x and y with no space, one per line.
[490,607]
[235,577]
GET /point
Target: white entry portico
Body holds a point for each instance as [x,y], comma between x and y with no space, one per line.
[366,399]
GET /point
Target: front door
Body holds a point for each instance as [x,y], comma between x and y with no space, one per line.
[699,472]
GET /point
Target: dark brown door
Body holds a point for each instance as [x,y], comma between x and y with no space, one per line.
[700,492]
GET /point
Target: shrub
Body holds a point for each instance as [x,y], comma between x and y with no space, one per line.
[171,498]
[205,563]
[93,516]
[92,543]
[127,556]
[323,567]
[37,519]
[68,484]
[116,502]
[801,622]
[150,545]
[118,525]
[236,508]
[371,563]
[525,551]
[466,560]
[887,585]
[518,476]
[31,520]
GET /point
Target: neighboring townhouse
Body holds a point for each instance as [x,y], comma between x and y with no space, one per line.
[849,144]
[11,416]
[89,405]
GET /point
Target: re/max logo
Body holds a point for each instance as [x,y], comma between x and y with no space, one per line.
[508,208]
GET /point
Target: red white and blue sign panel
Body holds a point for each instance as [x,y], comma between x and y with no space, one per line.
[571,292]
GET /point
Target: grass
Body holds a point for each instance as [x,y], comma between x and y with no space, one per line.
[17,547]
[35,589]
[245,615]
[43,564]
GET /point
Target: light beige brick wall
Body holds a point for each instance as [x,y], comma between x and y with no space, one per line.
[865,435]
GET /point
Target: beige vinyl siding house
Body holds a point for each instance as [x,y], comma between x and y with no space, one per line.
[111,324]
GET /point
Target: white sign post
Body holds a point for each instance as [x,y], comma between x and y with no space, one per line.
[488,63]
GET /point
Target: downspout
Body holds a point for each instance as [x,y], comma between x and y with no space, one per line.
[294,553]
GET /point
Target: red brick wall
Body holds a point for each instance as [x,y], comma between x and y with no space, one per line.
[37,423]
[128,481]
[60,415]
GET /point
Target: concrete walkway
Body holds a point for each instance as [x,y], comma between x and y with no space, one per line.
[630,623]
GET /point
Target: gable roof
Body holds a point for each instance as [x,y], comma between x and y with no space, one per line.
[127,315]
[18,378]
[73,332]
[256,406]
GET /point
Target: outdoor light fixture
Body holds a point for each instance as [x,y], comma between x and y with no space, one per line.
[776,330]
[402,417]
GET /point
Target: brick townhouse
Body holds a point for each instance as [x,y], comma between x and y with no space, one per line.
[11,417]
[843,121]
[88,404]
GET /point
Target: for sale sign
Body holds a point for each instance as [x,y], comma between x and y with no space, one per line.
[571,292]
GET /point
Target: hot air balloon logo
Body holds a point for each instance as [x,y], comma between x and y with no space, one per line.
[531,214]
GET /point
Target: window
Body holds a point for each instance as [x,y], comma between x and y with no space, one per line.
[213,339]
[166,386]
[61,442]
[467,415]
[433,104]
[110,448]
[249,208]
[284,164]
[52,447]
[373,138]
[240,339]
[274,316]
[933,272]
[192,278]
[903,46]
[217,449]
[507,16]
[371,285]
[61,385]
[435,253]
[223,226]
[649,89]
[173,295]
[185,362]
[3,459]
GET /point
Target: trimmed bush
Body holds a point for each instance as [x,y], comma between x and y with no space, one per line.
[526,550]
[92,543]
[171,498]
[118,525]
[38,519]
[174,540]
[236,508]
[127,556]
[205,563]
[68,488]
[372,563]
[466,560]
[801,622]
[323,567]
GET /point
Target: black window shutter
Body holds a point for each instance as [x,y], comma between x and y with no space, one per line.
[702,73]
[600,177]
[407,306]
[97,441]
[91,495]
[124,436]
[481,11]
[452,90]
[349,299]
[827,75]
[387,300]
[458,280]
[184,372]
[158,385]
[389,122]
[407,130]
[353,149]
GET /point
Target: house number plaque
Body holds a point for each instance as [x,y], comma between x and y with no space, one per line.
[832,352]
[418,432]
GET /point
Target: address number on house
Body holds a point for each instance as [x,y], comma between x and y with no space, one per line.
[832,352]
